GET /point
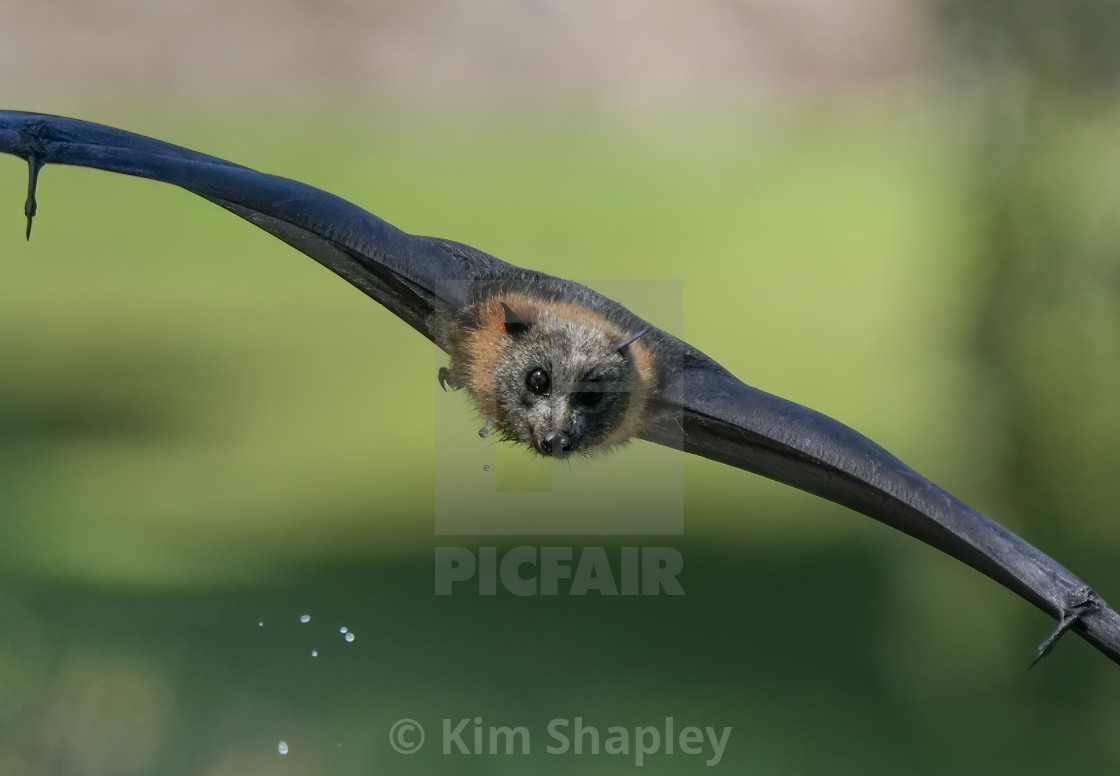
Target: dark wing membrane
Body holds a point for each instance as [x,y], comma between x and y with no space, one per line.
[708,412]
[703,409]
[410,275]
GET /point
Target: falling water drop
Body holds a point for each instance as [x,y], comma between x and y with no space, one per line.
[282,747]
[349,636]
[305,618]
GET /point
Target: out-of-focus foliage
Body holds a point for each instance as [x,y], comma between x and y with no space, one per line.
[1046,186]
[1070,44]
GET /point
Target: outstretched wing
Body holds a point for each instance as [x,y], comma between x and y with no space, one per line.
[707,411]
[703,409]
[410,275]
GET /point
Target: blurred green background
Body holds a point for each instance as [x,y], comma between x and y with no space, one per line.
[912,229]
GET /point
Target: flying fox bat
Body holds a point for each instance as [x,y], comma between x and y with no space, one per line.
[567,371]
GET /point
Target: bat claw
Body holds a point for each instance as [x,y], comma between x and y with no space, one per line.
[447,377]
[1079,607]
[34,164]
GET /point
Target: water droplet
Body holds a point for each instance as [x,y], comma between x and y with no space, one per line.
[260,624]
[282,747]
[485,430]
[314,653]
[349,636]
[342,629]
[305,618]
[486,468]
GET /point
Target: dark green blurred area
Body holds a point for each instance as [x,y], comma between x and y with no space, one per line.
[201,430]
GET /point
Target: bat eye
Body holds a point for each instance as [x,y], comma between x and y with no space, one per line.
[538,382]
[589,398]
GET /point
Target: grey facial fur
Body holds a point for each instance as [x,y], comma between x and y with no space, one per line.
[588,386]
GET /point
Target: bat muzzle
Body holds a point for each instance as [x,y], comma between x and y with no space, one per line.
[557,444]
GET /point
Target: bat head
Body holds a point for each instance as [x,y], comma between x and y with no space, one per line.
[555,376]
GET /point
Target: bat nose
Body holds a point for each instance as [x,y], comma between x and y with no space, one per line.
[556,443]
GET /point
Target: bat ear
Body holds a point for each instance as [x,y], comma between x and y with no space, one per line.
[622,346]
[515,324]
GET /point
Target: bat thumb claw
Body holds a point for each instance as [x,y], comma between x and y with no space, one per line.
[446,378]
[1048,643]
[1069,618]
[34,164]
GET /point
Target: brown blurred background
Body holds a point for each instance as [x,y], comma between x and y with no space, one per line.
[623,52]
